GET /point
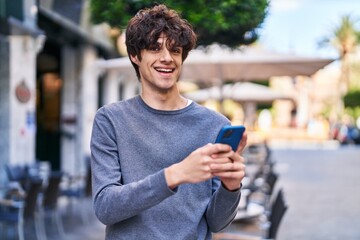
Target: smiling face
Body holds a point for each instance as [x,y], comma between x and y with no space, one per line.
[145,28]
[160,65]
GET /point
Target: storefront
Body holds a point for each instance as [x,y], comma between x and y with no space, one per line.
[49,86]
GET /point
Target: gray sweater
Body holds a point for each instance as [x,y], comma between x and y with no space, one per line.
[131,145]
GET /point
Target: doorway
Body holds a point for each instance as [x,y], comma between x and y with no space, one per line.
[48,104]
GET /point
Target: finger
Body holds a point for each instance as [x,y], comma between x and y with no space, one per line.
[242,143]
[237,158]
[211,149]
[221,160]
[223,154]
[229,174]
[230,157]
[227,167]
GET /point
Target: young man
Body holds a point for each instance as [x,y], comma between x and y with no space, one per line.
[156,172]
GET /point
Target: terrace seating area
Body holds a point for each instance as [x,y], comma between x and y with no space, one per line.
[262,205]
[43,204]
[39,203]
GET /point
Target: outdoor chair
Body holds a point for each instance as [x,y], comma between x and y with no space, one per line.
[22,174]
[270,182]
[262,190]
[78,191]
[268,227]
[258,156]
[278,209]
[50,201]
[17,173]
[21,212]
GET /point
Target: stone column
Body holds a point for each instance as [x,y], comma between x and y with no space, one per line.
[88,99]
[131,87]
[79,105]
[4,105]
[18,99]
[23,108]
[111,87]
[69,111]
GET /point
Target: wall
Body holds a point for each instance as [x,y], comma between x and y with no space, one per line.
[22,120]
[78,107]
[4,105]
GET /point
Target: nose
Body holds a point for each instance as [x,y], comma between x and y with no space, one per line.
[166,55]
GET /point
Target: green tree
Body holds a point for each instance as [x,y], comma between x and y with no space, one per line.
[231,22]
[345,38]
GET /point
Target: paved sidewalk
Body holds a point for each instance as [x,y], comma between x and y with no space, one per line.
[322,189]
[321,186]
[76,225]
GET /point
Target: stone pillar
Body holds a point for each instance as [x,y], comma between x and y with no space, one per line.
[69,112]
[112,83]
[79,105]
[88,99]
[250,114]
[304,103]
[131,87]
[4,105]
[18,49]
[18,100]
[23,111]
[111,87]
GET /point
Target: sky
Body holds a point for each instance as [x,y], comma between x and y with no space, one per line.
[296,26]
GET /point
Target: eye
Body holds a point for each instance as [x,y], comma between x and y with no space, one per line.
[155,47]
[176,50]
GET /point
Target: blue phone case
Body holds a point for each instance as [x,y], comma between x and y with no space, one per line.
[231,135]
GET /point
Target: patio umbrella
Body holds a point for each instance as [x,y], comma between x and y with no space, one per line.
[249,94]
[215,64]
[201,95]
[121,65]
[240,92]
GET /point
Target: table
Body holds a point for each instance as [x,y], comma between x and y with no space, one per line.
[250,212]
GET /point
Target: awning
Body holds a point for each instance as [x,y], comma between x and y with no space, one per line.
[64,31]
[240,92]
[217,64]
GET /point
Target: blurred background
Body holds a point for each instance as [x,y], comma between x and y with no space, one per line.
[289,70]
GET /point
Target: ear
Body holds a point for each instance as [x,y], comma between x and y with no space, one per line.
[135,59]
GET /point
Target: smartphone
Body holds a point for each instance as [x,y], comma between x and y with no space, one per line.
[231,135]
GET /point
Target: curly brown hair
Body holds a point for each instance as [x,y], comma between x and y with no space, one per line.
[145,27]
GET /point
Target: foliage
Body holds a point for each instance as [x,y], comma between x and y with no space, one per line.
[230,22]
[264,82]
[352,98]
[355,76]
[354,112]
[345,38]
[261,106]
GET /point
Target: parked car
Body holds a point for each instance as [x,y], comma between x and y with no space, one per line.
[345,133]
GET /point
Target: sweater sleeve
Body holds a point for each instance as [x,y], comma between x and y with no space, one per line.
[222,207]
[114,201]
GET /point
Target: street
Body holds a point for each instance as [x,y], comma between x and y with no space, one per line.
[322,190]
[321,186]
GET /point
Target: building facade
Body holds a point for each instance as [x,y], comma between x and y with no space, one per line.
[50,87]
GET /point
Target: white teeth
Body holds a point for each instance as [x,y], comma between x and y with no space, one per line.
[164,70]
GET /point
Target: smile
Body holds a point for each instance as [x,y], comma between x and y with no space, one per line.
[165,70]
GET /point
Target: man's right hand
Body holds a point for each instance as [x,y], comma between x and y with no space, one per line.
[196,167]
